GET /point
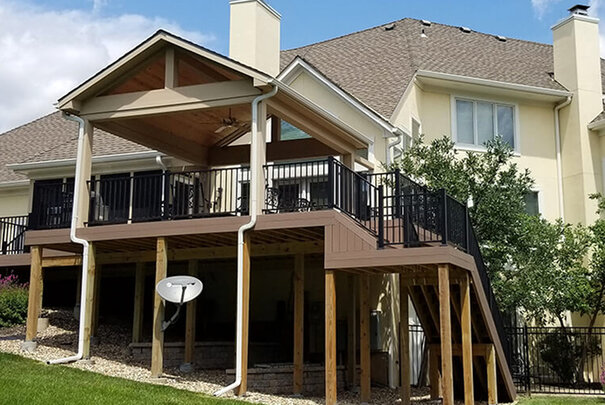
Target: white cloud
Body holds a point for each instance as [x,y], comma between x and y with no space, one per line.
[542,6]
[45,53]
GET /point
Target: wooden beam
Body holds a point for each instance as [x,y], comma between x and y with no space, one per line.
[467,342]
[364,337]
[351,333]
[478,349]
[192,269]
[404,341]
[170,70]
[157,340]
[91,279]
[243,387]
[62,261]
[299,307]
[434,374]
[447,373]
[330,337]
[139,302]
[492,377]
[163,101]
[35,288]
[275,129]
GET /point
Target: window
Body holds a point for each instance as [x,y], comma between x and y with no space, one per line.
[532,205]
[290,132]
[479,121]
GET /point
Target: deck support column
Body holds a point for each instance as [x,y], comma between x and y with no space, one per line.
[445,326]
[330,337]
[243,387]
[91,279]
[467,341]
[139,299]
[192,269]
[492,377]
[157,340]
[404,341]
[34,300]
[299,307]
[94,328]
[351,334]
[364,338]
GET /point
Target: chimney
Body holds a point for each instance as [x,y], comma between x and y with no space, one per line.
[254,35]
[577,66]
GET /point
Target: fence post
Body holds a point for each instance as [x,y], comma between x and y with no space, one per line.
[331,183]
[527,359]
[444,229]
[380,216]
[397,193]
[467,224]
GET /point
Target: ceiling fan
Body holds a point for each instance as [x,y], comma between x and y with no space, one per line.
[227,123]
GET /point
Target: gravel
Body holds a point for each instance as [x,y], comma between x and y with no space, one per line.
[112,357]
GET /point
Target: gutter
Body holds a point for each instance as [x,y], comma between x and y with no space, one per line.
[558,107]
[80,241]
[597,125]
[254,175]
[492,83]
[14,184]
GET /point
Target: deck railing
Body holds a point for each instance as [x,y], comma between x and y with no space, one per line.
[51,206]
[12,234]
[169,195]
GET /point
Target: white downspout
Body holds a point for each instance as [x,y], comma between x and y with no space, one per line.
[240,241]
[160,162]
[75,239]
[558,147]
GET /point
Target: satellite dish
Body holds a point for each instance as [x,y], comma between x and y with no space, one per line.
[178,290]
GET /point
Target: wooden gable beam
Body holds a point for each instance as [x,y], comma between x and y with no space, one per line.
[167,100]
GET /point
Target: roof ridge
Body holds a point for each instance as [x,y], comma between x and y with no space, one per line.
[28,123]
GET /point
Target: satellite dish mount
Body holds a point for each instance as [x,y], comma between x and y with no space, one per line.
[178,290]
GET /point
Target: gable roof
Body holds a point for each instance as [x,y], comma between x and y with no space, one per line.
[52,137]
[376,65]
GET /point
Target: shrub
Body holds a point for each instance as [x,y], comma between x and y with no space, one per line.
[13,301]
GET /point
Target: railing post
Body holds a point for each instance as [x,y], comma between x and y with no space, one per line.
[467,230]
[380,216]
[397,193]
[331,182]
[444,229]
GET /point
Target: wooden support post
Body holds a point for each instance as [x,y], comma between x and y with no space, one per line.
[447,373]
[139,302]
[351,334]
[157,340]
[492,377]
[94,326]
[364,337]
[330,337]
[35,287]
[243,387]
[190,318]
[299,307]
[434,374]
[467,341]
[91,279]
[275,129]
[404,341]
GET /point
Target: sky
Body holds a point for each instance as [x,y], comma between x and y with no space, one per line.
[48,47]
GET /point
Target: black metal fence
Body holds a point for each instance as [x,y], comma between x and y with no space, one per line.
[52,204]
[12,234]
[171,195]
[557,360]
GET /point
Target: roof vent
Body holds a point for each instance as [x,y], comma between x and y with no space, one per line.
[579,9]
[426,23]
[465,29]
[500,38]
[423,34]
[389,27]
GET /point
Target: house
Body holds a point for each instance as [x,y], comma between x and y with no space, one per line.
[261,173]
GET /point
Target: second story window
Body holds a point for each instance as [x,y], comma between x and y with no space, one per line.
[476,122]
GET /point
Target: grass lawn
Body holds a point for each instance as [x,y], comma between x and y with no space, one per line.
[561,400]
[24,381]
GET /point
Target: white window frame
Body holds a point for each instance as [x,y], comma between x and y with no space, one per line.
[540,195]
[475,100]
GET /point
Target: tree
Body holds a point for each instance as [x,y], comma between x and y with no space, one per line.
[495,184]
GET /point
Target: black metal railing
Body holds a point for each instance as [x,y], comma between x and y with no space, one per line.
[324,184]
[12,234]
[52,205]
[169,195]
[555,360]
